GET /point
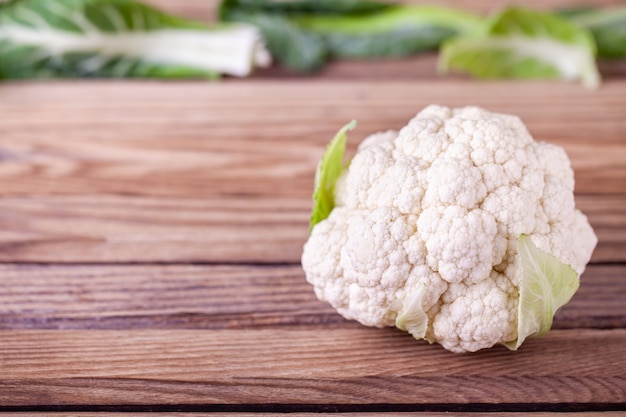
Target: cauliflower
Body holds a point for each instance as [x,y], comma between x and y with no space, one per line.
[459,228]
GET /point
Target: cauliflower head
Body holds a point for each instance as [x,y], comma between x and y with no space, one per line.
[458,228]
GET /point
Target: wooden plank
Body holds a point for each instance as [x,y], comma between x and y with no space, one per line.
[129,297]
[101,228]
[272,229]
[608,218]
[252,137]
[599,301]
[325,411]
[223,297]
[294,366]
[422,66]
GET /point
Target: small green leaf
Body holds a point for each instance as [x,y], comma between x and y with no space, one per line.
[328,171]
[520,43]
[546,284]
[412,318]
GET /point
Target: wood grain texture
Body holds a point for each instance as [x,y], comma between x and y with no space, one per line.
[109,228]
[422,66]
[150,236]
[253,137]
[139,172]
[272,229]
[334,366]
[343,414]
[224,297]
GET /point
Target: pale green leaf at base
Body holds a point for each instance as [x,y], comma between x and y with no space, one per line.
[328,172]
[525,44]
[546,284]
[412,318]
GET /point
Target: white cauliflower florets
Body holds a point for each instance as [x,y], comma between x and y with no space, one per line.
[430,215]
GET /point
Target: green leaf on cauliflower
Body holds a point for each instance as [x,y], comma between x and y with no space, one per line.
[119,38]
[328,172]
[412,318]
[521,43]
[546,284]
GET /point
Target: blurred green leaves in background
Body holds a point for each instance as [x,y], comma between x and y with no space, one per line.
[126,38]
[304,35]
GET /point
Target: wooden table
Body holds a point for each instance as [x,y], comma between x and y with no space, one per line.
[151,232]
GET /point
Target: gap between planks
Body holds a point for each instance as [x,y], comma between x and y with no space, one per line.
[313,410]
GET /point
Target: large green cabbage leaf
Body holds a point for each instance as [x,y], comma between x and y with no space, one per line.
[118,38]
[521,43]
[304,34]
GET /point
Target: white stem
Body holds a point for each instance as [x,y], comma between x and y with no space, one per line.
[232,50]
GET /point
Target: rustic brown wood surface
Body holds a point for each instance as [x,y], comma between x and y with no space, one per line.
[151,233]
[346,414]
[223,297]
